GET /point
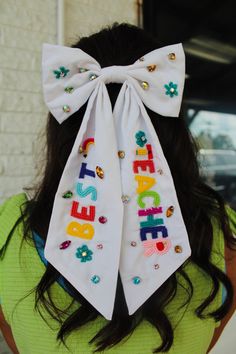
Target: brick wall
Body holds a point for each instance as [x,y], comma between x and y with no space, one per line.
[24,26]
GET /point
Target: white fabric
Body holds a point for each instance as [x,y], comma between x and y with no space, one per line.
[113,131]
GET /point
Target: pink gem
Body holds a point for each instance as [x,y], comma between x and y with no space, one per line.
[133,243]
[64,245]
[102,219]
[100,246]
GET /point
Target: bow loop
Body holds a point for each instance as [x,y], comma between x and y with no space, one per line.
[115,73]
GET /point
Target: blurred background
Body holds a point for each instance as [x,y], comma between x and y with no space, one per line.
[207,31]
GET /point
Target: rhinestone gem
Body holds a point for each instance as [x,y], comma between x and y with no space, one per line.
[64,245]
[160,171]
[136,280]
[145,85]
[81,150]
[82,70]
[141,59]
[125,198]
[156,266]
[95,279]
[151,67]
[67,195]
[84,254]
[100,172]
[100,246]
[102,219]
[170,211]
[121,154]
[66,108]
[172,89]
[133,243]
[69,89]
[92,76]
[160,246]
[178,249]
[171,56]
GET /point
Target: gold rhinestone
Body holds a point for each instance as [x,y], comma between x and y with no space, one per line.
[151,67]
[82,70]
[121,154]
[178,249]
[81,150]
[145,85]
[170,211]
[99,172]
[84,254]
[69,89]
[171,56]
[92,76]
[66,108]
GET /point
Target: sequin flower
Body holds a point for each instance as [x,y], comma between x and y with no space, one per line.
[171,89]
[61,72]
[84,253]
[140,138]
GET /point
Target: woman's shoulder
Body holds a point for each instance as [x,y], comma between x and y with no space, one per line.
[10,211]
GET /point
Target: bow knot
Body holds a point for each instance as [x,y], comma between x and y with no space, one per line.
[115,73]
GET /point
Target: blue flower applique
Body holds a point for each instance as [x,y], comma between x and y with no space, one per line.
[84,253]
[171,89]
[62,72]
[140,138]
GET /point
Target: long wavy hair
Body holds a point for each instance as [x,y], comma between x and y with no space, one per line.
[123,44]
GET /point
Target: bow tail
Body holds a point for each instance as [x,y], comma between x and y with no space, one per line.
[84,236]
[155,241]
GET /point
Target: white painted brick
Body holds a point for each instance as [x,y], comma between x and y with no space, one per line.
[12,185]
[22,122]
[16,165]
[21,38]
[19,59]
[14,13]
[17,101]
[16,144]
[20,80]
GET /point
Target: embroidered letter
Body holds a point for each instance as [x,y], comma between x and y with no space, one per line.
[84,231]
[141,152]
[143,164]
[85,171]
[144,183]
[151,222]
[84,212]
[152,194]
[150,211]
[86,191]
[149,149]
[153,231]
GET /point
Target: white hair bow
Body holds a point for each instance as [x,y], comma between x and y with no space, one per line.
[116,208]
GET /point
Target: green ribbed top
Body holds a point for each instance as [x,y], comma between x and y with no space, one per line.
[20,274]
